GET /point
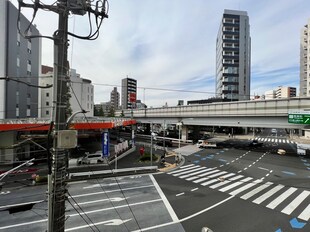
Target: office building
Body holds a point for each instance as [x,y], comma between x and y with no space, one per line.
[114,99]
[233,56]
[129,90]
[20,59]
[81,91]
[304,87]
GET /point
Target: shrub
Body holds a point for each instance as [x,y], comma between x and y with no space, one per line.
[147,157]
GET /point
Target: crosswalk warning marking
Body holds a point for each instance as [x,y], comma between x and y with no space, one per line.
[295,203]
[255,191]
[281,198]
[268,194]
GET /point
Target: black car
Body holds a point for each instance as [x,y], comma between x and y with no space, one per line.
[255,143]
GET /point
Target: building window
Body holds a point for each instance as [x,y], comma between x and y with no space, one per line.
[29,50]
[28,73]
[47,94]
[47,103]
[47,112]
[29,61]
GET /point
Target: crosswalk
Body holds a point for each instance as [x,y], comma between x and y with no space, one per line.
[274,196]
[275,140]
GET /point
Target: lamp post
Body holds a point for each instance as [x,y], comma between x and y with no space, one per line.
[179,124]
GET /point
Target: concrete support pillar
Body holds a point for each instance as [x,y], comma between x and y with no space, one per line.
[7,139]
[184,135]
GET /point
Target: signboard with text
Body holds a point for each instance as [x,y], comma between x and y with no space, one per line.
[132,97]
[105,144]
[299,117]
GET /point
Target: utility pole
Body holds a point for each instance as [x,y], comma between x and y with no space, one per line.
[58,161]
[57,177]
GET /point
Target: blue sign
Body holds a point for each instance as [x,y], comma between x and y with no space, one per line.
[105,144]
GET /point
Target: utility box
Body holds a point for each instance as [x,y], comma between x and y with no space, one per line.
[67,139]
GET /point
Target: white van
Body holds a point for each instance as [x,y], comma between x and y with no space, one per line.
[93,158]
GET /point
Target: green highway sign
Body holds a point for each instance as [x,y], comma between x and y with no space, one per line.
[299,117]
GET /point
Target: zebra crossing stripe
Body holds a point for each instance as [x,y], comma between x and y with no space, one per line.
[295,203]
[255,191]
[268,194]
[235,184]
[281,198]
[185,166]
[188,171]
[208,173]
[305,215]
[222,182]
[205,178]
[245,187]
[209,177]
[195,173]
[209,182]
[188,168]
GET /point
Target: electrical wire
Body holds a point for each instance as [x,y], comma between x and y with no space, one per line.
[83,213]
[26,83]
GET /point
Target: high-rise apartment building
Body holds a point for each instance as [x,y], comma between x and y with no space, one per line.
[233,56]
[285,92]
[114,98]
[20,59]
[129,88]
[304,87]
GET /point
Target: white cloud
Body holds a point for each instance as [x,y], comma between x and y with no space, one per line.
[171,45]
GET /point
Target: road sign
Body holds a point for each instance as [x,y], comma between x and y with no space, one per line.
[299,117]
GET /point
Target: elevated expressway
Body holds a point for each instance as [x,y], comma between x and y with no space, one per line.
[259,113]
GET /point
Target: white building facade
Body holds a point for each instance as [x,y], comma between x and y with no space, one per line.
[304,87]
[81,91]
[233,56]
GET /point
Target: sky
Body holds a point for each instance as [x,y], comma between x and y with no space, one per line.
[169,46]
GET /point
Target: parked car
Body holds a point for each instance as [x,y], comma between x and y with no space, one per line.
[92,158]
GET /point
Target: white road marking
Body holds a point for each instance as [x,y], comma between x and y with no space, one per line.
[245,187]
[295,203]
[182,170]
[77,182]
[179,194]
[255,191]
[111,191]
[281,198]
[268,194]
[305,215]
[235,184]
[263,168]
[186,218]
[174,217]
[112,222]
[222,182]
[188,171]
[103,185]
[195,173]
[116,199]
[20,204]
[194,189]
[209,182]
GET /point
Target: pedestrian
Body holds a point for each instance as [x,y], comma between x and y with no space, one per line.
[228,135]
[142,151]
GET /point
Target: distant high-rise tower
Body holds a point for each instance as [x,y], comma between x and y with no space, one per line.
[304,88]
[114,99]
[129,86]
[233,56]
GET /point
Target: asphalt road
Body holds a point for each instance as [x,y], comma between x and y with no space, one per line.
[232,188]
[241,189]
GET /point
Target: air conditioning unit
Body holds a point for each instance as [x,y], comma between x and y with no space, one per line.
[67,139]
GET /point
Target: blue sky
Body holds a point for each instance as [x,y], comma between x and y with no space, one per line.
[171,45]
